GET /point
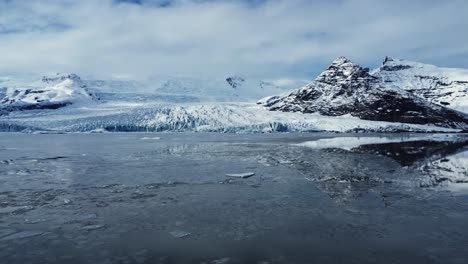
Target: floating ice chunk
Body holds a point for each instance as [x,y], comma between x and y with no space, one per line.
[105,186]
[101,204]
[221,261]
[22,234]
[264,162]
[179,234]
[241,175]
[35,221]
[6,232]
[14,209]
[92,227]
[150,138]
[7,162]
[98,130]
[9,210]
[83,217]
[45,132]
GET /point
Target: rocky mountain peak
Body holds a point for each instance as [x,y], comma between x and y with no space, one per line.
[343,70]
[340,60]
[60,78]
[235,81]
[391,65]
[387,59]
[347,88]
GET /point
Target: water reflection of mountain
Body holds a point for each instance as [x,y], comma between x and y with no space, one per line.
[443,162]
[448,170]
[414,152]
[442,159]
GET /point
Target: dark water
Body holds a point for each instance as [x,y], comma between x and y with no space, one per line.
[132,198]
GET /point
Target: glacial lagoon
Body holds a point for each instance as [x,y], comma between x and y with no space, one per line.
[166,198]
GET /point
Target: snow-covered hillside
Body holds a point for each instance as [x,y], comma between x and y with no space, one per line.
[346,88]
[50,93]
[444,86]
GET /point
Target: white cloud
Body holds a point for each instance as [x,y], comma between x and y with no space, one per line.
[214,38]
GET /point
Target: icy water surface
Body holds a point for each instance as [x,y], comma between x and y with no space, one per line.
[166,198]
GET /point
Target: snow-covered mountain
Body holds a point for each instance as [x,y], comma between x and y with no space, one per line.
[50,93]
[59,90]
[346,88]
[444,86]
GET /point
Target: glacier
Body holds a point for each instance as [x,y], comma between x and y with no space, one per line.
[196,117]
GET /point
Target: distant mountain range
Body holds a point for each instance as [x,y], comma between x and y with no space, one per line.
[397,96]
[51,92]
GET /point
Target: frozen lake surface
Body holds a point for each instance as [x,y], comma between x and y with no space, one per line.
[167,198]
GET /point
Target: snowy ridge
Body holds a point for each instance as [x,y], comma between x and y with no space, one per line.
[444,86]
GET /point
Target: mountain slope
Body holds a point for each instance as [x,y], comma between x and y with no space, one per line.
[444,86]
[347,88]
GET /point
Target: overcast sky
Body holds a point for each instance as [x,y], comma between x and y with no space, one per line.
[261,38]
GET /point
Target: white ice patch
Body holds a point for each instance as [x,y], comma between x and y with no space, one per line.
[22,234]
[241,175]
[179,234]
[349,143]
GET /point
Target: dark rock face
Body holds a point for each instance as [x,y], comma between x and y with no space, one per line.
[61,78]
[235,81]
[389,65]
[347,88]
[49,106]
[396,67]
